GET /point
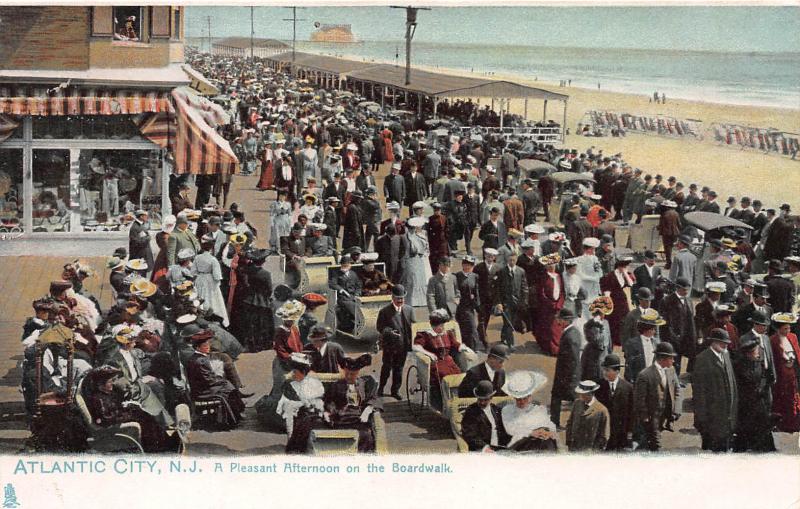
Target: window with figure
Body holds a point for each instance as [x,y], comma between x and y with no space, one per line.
[127,23]
[11,192]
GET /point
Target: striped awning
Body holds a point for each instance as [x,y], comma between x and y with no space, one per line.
[40,101]
[7,126]
[198,148]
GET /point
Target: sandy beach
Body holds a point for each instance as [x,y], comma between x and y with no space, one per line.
[772,178]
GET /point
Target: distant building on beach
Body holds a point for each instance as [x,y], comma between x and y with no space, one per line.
[240,47]
[333,33]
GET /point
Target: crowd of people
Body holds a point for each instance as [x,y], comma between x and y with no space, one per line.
[182,317]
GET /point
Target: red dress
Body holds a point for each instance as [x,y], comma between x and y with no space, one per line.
[287,342]
[388,146]
[444,346]
[267,176]
[545,327]
[610,283]
[160,267]
[786,393]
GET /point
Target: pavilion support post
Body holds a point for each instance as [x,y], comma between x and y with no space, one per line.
[544,111]
[419,105]
[394,98]
[526,108]
[435,106]
[383,97]
[492,103]
[502,111]
[564,125]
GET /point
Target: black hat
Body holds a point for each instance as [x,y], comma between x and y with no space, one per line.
[190,330]
[100,374]
[644,293]
[612,361]
[500,351]
[59,286]
[683,282]
[776,265]
[359,362]
[484,390]
[649,255]
[318,331]
[257,255]
[720,335]
[758,318]
[438,317]
[120,252]
[685,239]
[664,349]
[444,260]
[566,314]
[749,344]
[398,291]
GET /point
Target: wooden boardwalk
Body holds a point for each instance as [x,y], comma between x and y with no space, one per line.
[27,278]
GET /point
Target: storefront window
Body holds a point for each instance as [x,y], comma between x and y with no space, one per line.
[51,191]
[11,191]
[85,127]
[80,190]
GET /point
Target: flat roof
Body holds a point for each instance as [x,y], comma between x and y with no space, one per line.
[170,76]
[244,42]
[422,82]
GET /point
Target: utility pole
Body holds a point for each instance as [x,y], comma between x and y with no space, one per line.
[411,29]
[252,31]
[294,21]
[208,20]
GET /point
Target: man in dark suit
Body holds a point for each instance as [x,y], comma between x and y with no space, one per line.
[679,331]
[616,394]
[646,275]
[715,393]
[325,355]
[493,232]
[781,290]
[351,402]
[336,189]
[394,325]
[511,299]
[487,274]
[568,365]
[206,384]
[469,302]
[416,189]
[758,333]
[348,286]
[630,324]
[139,239]
[531,201]
[639,349]
[742,316]
[490,370]
[354,222]
[294,248]
[482,425]
[657,398]
[394,186]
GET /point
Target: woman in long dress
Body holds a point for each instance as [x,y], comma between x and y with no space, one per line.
[207,278]
[160,267]
[301,405]
[267,174]
[280,213]
[418,270]
[786,393]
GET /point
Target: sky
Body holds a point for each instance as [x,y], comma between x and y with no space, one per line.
[726,29]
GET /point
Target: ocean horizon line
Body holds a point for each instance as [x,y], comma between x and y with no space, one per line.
[401,43]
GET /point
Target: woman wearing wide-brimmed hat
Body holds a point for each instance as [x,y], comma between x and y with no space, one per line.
[786,351]
[527,421]
[598,339]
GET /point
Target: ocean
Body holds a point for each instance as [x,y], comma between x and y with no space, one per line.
[724,54]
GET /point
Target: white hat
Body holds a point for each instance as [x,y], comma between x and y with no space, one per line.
[368,257]
[352,146]
[418,205]
[185,254]
[669,203]
[396,166]
[491,251]
[137,264]
[168,223]
[521,384]
[318,226]
[184,319]
[534,228]
[417,222]
[591,242]
[392,205]
[586,387]
[716,286]
[490,169]
[556,236]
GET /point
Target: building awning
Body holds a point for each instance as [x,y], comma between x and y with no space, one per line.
[200,82]
[198,148]
[57,101]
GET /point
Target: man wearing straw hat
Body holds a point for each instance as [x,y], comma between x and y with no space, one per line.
[588,427]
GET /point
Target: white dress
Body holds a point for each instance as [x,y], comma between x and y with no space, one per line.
[280,214]
[418,270]
[309,391]
[207,276]
[520,422]
[590,271]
